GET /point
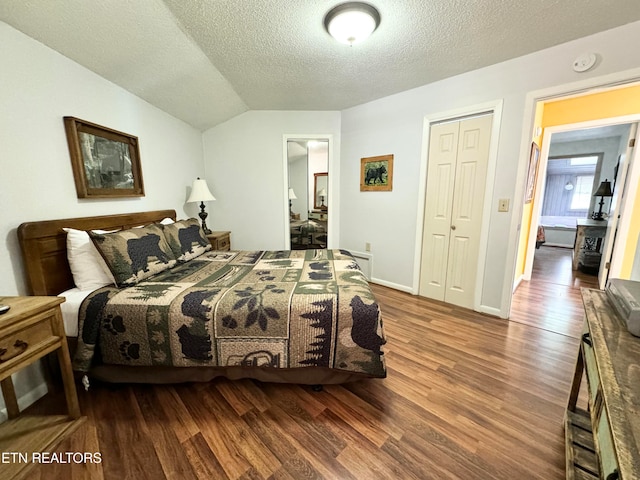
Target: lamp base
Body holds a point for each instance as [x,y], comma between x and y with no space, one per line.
[203,216]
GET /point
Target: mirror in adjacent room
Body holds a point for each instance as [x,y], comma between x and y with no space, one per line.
[320,188]
[308,192]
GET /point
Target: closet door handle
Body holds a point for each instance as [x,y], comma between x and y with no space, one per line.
[586,338]
[453,227]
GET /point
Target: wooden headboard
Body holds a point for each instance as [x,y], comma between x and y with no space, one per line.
[44,246]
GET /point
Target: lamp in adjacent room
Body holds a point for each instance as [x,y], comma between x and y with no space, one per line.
[292,196]
[604,190]
[200,193]
[351,22]
[322,195]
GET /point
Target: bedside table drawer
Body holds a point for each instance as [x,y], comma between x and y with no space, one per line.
[223,243]
[20,339]
[220,240]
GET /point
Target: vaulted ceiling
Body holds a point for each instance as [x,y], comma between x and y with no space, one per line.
[206,61]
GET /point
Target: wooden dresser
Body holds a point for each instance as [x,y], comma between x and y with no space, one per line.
[31,329]
[220,240]
[603,441]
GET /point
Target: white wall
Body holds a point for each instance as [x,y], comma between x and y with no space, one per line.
[394,125]
[245,170]
[38,86]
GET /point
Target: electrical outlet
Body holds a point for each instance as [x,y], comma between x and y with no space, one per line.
[503,205]
[367,247]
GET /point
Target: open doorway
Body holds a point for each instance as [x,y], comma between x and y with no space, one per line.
[307,192]
[572,167]
[554,117]
[580,163]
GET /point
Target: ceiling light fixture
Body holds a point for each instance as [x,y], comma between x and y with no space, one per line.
[351,22]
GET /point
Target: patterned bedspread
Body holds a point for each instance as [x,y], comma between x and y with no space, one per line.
[280,309]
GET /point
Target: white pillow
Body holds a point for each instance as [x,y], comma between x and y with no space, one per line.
[167,221]
[88,268]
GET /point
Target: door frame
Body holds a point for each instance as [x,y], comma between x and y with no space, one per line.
[584,87]
[494,107]
[332,192]
[542,174]
[621,206]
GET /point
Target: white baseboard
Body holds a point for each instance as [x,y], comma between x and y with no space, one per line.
[496,312]
[395,286]
[27,400]
[561,245]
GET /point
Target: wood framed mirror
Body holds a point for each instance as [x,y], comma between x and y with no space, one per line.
[320,189]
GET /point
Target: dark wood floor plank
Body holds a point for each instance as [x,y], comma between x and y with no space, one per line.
[225,449]
[203,461]
[164,439]
[179,419]
[236,432]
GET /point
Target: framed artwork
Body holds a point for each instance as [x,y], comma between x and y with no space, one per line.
[533,172]
[105,162]
[376,173]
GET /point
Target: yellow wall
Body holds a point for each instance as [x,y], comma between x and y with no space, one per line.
[612,103]
[527,209]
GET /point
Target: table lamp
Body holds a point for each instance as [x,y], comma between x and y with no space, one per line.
[200,193]
[322,194]
[604,190]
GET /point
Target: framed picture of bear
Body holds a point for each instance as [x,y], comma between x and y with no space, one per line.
[105,162]
[376,173]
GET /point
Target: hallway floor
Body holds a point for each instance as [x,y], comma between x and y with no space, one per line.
[551,300]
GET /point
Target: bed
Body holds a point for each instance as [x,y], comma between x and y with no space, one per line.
[308,234]
[306,317]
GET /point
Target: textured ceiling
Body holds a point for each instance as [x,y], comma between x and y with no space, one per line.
[205,61]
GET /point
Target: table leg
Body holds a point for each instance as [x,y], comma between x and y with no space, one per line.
[577,247]
[10,400]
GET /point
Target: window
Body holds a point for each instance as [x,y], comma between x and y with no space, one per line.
[591,160]
[581,198]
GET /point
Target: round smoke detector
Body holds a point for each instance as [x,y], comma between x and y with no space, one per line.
[584,62]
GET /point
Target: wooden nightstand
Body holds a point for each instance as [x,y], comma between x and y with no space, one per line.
[220,240]
[29,331]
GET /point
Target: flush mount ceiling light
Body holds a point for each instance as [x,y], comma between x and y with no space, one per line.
[351,22]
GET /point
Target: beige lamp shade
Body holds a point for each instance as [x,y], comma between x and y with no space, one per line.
[200,192]
[292,194]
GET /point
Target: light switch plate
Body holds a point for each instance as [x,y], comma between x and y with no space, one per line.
[503,205]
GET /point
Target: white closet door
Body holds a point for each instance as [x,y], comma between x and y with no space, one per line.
[441,174]
[456,180]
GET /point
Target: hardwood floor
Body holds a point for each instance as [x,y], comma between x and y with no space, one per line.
[551,300]
[467,397]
